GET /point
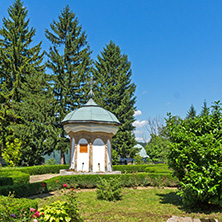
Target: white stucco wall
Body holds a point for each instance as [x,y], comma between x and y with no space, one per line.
[82,158]
[98,155]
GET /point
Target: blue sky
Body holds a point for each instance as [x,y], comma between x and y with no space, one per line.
[175,47]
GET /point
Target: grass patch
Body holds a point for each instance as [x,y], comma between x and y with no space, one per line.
[154,205]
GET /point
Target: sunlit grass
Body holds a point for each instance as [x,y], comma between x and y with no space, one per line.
[136,205]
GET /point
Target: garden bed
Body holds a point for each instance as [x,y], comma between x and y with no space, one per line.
[156,205]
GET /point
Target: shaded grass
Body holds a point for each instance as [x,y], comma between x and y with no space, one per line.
[154,205]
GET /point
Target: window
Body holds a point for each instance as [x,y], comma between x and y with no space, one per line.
[83,148]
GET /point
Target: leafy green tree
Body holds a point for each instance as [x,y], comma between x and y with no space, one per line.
[115,92]
[157,148]
[69,62]
[191,112]
[12,153]
[196,156]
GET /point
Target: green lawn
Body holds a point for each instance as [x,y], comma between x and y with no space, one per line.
[136,205]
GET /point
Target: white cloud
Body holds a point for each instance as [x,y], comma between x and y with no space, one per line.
[137,113]
[144,92]
[138,132]
[139,139]
[140,124]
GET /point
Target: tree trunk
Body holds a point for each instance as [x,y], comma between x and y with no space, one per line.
[62,158]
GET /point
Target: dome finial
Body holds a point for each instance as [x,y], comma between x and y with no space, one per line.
[91,93]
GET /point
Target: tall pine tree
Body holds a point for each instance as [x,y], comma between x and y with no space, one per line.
[18,58]
[191,112]
[205,110]
[115,92]
[69,62]
[23,76]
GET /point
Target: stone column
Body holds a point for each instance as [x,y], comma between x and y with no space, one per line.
[70,156]
[106,162]
[90,156]
[76,146]
[111,163]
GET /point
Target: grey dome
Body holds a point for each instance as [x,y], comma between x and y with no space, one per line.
[91,113]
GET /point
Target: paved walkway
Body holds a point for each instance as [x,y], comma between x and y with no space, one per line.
[39,178]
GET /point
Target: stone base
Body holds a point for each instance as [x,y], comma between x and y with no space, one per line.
[69,172]
[189,219]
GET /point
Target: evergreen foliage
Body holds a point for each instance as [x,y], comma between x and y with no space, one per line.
[19,60]
[157,148]
[22,78]
[191,113]
[205,110]
[69,62]
[12,153]
[196,156]
[8,118]
[115,92]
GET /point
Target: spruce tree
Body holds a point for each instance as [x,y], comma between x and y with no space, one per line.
[23,76]
[69,62]
[17,57]
[38,131]
[205,110]
[115,92]
[191,112]
[8,118]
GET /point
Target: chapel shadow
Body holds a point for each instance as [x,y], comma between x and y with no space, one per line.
[173,198]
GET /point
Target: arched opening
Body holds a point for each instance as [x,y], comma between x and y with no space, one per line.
[83,155]
[98,156]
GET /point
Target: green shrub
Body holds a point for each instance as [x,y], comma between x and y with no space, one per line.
[129,168]
[56,211]
[109,189]
[87,181]
[24,190]
[51,161]
[158,169]
[17,177]
[15,207]
[37,170]
[4,181]
[62,211]
[196,156]
[138,168]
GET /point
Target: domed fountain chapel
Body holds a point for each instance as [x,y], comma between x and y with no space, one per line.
[91,129]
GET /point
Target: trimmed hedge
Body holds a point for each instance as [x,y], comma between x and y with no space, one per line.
[158,169]
[37,170]
[16,206]
[43,169]
[6,181]
[13,177]
[152,168]
[24,190]
[89,181]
